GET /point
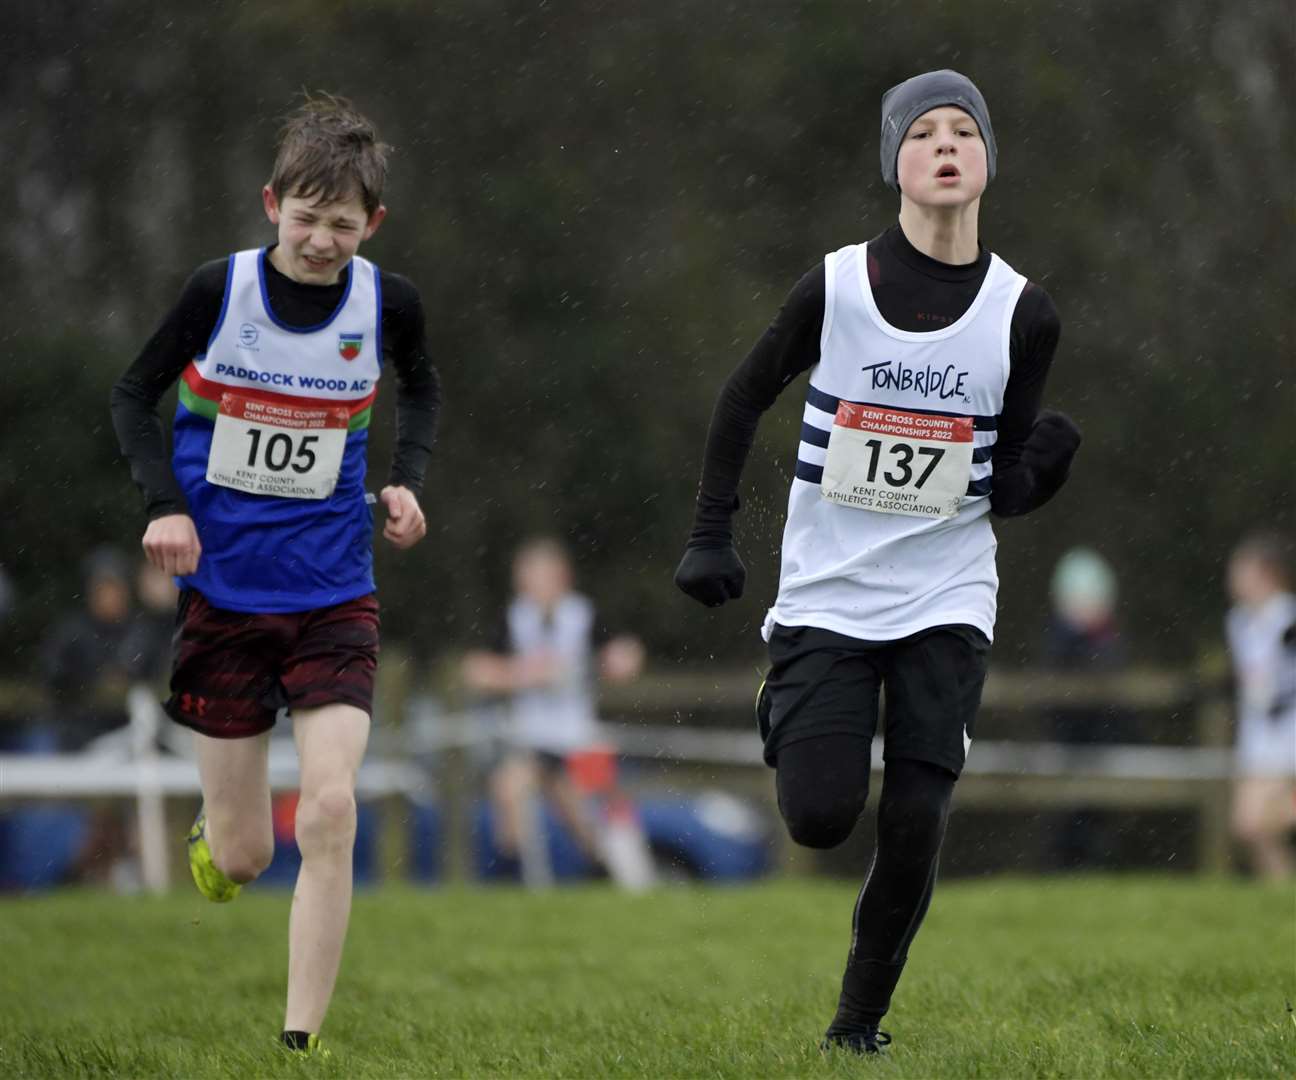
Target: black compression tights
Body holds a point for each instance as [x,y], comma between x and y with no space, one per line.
[822,787]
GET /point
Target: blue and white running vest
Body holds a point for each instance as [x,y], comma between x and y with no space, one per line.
[269,447]
[887,530]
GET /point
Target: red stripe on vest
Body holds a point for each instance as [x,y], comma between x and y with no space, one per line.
[212,390]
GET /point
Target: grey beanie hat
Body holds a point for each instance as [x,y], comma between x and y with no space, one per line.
[904,103]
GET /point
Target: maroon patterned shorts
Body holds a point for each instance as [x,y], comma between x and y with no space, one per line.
[232,671]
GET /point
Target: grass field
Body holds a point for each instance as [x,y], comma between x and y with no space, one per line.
[1146,977]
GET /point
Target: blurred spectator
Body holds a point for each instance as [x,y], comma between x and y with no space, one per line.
[87,656]
[1082,632]
[88,669]
[1261,629]
[1083,638]
[148,641]
[547,663]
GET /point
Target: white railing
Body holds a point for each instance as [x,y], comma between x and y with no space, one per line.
[128,764]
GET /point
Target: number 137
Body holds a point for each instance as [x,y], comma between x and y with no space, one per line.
[905,455]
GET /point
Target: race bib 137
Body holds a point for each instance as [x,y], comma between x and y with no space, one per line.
[898,462]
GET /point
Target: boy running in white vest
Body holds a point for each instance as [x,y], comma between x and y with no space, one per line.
[1261,629]
[551,652]
[927,357]
[262,515]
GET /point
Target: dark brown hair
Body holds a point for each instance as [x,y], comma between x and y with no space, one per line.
[328,151]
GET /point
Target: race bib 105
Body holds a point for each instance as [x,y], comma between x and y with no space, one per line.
[898,462]
[268,448]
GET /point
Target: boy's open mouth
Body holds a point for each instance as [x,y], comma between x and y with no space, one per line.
[950,171]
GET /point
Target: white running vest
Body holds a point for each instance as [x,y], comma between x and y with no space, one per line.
[338,360]
[1266,686]
[559,718]
[887,530]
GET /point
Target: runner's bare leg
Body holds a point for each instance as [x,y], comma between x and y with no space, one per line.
[1262,820]
[511,785]
[575,813]
[330,744]
[236,797]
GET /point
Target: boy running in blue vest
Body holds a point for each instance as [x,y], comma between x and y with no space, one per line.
[927,357]
[261,513]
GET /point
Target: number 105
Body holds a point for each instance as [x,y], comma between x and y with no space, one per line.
[280,453]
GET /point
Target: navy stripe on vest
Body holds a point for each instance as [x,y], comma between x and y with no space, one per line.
[828,404]
[813,435]
[813,474]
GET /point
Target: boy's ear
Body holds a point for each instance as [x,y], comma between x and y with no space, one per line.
[375,219]
[271,204]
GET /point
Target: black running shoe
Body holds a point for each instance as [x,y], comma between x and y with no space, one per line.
[863,1041]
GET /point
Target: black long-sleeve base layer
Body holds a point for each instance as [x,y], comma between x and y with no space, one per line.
[184,334]
[914,292]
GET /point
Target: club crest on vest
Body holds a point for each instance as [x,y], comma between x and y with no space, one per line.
[349,345]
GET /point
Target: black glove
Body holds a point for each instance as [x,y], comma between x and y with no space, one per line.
[1041,470]
[711,574]
[1051,445]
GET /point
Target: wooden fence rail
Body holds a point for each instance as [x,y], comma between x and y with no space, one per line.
[425,751]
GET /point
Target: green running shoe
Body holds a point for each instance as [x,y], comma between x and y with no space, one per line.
[207,876]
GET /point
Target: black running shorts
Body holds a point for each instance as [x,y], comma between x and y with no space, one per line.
[824,683]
